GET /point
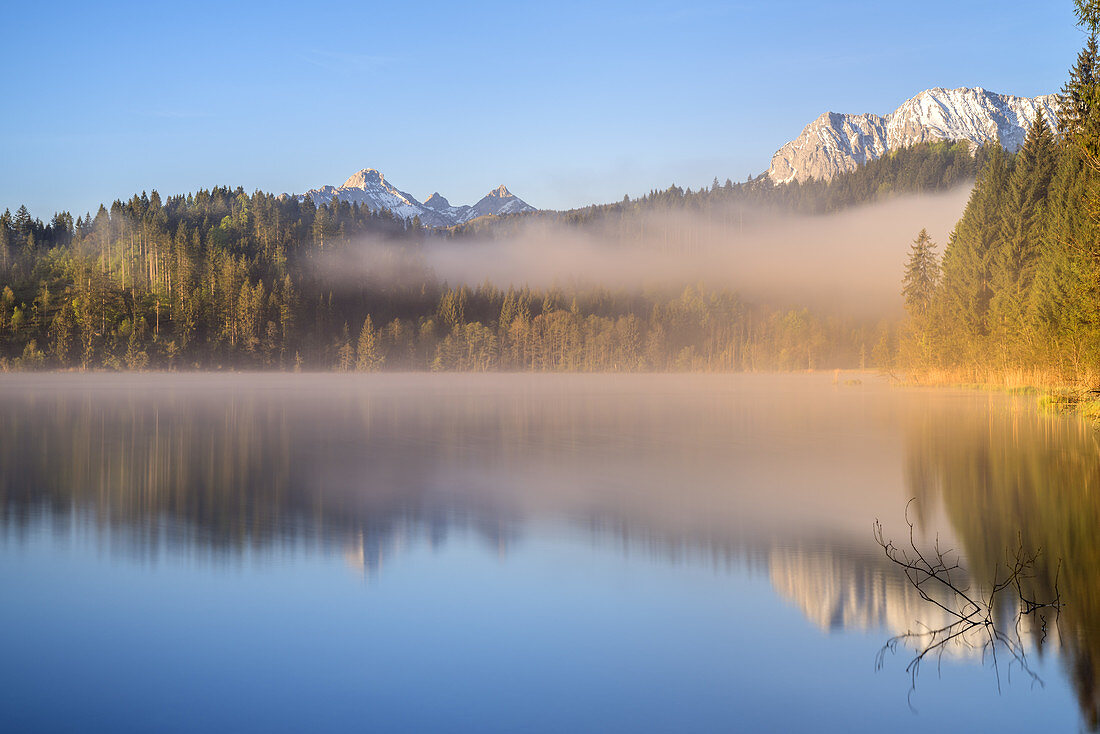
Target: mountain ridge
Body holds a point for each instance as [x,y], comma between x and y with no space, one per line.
[836,142]
[369,187]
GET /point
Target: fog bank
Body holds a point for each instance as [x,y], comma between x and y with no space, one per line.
[849,262]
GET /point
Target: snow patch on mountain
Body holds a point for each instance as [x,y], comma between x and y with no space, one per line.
[498,202]
[369,188]
[834,143]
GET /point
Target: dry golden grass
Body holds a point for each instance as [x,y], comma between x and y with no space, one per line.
[1056,390]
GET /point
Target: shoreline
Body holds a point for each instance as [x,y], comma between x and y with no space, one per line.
[1052,393]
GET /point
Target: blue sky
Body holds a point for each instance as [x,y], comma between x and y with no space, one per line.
[567,103]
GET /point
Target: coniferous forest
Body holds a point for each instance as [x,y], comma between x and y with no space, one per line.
[222,279]
[1017,290]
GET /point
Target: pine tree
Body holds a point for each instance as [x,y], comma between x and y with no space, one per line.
[1080,101]
[967,259]
[1083,90]
[368,355]
[922,276]
[452,307]
[1088,14]
[1065,303]
[1075,103]
[345,352]
[22,221]
[1018,246]
[920,286]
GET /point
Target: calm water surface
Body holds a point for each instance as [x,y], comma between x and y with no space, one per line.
[506,553]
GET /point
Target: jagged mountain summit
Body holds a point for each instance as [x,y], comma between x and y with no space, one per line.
[440,212]
[834,143]
[497,202]
[368,187]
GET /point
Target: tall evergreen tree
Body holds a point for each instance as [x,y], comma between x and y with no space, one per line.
[368,356]
[967,259]
[1075,103]
[922,276]
[1065,303]
[1018,246]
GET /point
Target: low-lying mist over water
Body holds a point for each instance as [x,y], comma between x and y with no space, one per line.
[344,458]
[697,538]
[503,447]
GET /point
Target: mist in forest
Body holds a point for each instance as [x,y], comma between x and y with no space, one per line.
[849,262]
[852,260]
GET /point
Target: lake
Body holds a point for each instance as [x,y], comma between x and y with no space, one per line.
[536,553]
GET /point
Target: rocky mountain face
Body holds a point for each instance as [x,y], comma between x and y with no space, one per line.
[835,142]
[369,188]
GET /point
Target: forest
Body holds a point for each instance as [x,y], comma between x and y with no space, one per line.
[920,169]
[1017,289]
[223,279]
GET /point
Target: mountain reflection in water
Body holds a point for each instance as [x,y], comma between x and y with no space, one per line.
[783,475]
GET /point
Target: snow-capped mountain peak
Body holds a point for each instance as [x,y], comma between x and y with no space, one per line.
[437,201]
[368,187]
[497,202]
[363,178]
[834,142]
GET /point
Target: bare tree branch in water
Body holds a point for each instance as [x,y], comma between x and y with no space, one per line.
[970,611]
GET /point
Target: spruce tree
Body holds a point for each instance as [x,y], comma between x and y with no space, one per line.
[967,259]
[23,221]
[1018,248]
[1065,299]
[920,286]
[1088,15]
[1075,101]
[922,276]
[1065,302]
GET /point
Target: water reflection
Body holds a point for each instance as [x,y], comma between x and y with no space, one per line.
[1018,478]
[259,461]
[780,475]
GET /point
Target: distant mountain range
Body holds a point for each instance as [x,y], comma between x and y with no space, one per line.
[831,144]
[835,142]
[368,187]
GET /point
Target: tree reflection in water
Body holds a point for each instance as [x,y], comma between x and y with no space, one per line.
[191,463]
[1028,480]
[978,619]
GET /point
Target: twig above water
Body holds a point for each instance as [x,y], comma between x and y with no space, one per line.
[970,610]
